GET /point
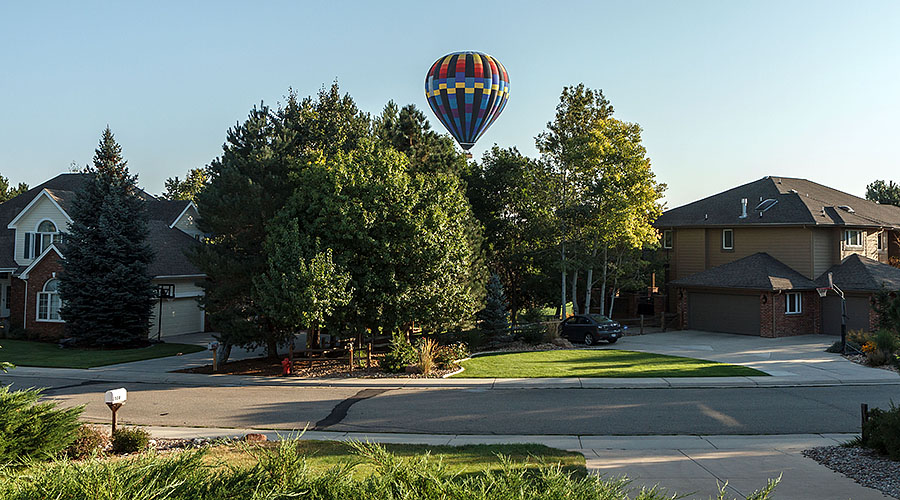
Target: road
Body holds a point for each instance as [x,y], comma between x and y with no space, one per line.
[793,410]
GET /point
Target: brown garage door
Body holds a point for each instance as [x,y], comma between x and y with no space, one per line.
[857,312]
[721,312]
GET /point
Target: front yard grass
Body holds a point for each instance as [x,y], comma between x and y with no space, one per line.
[323,455]
[46,355]
[612,363]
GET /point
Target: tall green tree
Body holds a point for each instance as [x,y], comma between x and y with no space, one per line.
[105,285]
[886,193]
[8,192]
[513,197]
[187,189]
[295,291]
[609,195]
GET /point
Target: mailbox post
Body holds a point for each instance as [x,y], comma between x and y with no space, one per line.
[115,399]
[214,346]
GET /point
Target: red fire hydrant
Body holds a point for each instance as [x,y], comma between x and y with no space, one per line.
[286,366]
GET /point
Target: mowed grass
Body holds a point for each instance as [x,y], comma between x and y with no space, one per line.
[43,354]
[323,455]
[611,363]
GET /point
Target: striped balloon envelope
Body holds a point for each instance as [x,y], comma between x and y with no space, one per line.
[467,91]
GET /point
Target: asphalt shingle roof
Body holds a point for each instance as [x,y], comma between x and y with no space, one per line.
[168,243]
[798,202]
[858,273]
[759,271]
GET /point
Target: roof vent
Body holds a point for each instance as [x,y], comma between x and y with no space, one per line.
[793,191]
[847,208]
[765,205]
[743,208]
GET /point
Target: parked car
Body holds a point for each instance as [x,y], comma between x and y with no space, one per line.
[589,328]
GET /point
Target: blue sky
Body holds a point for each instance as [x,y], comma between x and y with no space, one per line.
[726,92]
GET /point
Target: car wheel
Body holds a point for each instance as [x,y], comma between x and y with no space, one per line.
[612,340]
[588,339]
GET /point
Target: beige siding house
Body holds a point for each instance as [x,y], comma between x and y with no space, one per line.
[773,227]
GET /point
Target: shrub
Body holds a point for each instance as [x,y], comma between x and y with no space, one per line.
[130,440]
[88,440]
[426,349]
[859,337]
[882,431]
[532,333]
[886,340]
[401,355]
[447,354]
[32,430]
[851,346]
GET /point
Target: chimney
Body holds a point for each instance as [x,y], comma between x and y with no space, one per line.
[743,208]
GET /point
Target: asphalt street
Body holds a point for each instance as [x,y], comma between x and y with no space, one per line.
[784,410]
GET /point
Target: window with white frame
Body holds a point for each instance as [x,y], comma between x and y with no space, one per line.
[667,238]
[792,304]
[727,239]
[881,238]
[853,238]
[38,241]
[48,302]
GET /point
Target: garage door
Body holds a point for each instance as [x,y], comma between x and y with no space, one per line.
[857,312]
[179,316]
[726,313]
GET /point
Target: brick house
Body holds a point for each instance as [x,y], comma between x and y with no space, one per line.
[31,248]
[748,260]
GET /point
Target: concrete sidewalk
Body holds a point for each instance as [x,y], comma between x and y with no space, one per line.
[790,362]
[693,465]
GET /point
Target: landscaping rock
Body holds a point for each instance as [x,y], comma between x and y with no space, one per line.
[411,369]
[561,342]
[254,437]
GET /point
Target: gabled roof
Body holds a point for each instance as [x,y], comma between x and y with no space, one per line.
[858,273]
[39,258]
[759,271]
[44,193]
[170,246]
[168,211]
[797,202]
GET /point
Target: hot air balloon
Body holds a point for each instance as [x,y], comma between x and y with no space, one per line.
[467,91]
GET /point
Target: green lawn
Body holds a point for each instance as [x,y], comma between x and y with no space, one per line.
[28,353]
[611,363]
[322,455]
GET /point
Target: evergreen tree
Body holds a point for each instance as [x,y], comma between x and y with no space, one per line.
[495,316]
[187,189]
[105,284]
[8,192]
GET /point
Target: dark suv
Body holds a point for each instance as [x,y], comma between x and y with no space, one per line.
[589,328]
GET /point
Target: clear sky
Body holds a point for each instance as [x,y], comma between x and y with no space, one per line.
[726,92]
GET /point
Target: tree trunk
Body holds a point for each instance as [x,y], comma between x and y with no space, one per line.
[271,346]
[563,302]
[224,353]
[603,285]
[612,299]
[575,291]
[589,284]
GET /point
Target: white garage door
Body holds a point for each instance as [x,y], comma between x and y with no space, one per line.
[179,316]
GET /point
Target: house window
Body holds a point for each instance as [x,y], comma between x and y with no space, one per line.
[727,239]
[38,241]
[792,304]
[48,302]
[667,238]
[853,238]
[881,236]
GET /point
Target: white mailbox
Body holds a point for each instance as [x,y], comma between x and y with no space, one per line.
[116,396]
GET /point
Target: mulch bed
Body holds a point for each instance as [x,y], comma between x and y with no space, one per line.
[318,368]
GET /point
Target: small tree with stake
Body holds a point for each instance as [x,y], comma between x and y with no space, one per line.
[105,284]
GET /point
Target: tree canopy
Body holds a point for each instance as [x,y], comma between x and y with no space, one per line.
[187,189]
[8,192]
[885,193]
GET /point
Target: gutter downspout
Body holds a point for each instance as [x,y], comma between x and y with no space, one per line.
[25,308]
[774,333]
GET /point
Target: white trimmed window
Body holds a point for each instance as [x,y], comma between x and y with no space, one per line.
[38,241]
[667,238]
[792,303]
[881,238]
[48,302]
[853,238]
[727,239]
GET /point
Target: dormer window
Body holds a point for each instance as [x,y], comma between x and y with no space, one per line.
[38,241]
